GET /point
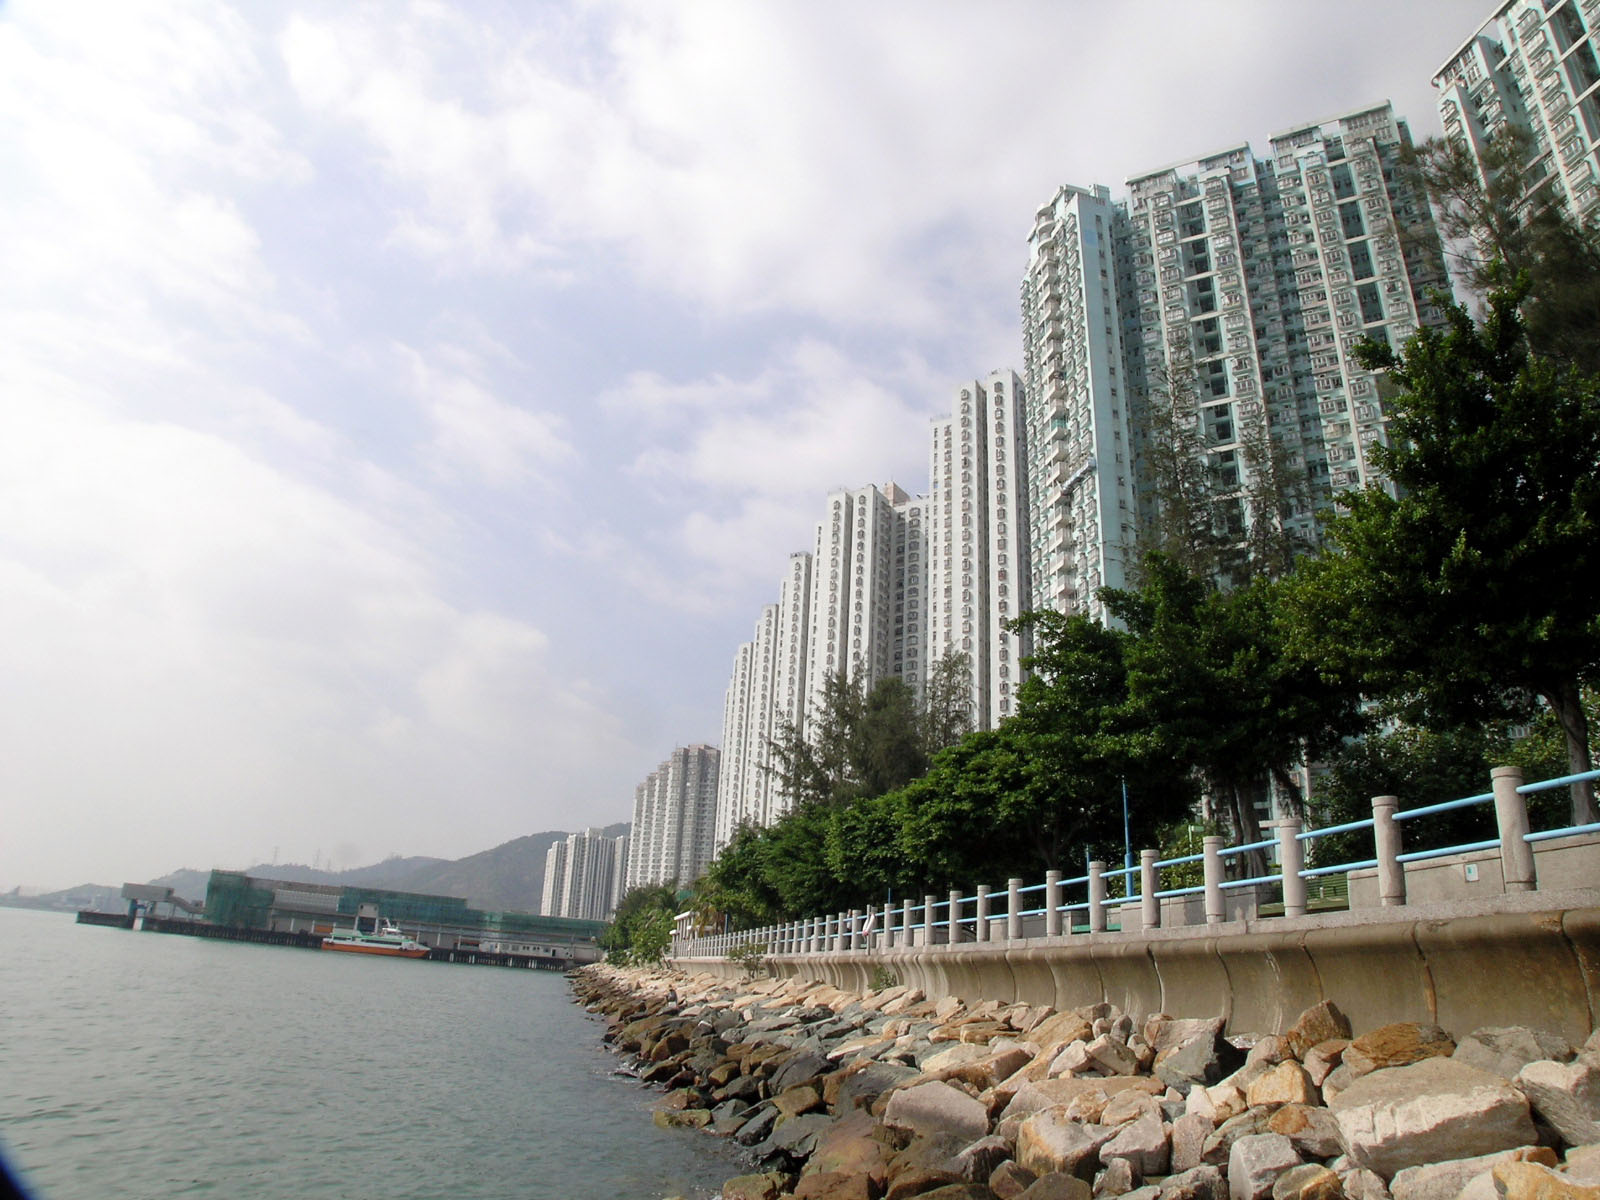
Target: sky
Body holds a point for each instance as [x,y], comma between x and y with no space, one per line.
[408,407]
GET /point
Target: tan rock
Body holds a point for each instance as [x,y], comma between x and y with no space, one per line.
[1530,1181]
[1308,1181]
[1445,1180]
[1321,1059]
[1312,1129]
[1056,1186]
[1010,1179]
[766,1186]
[834,1185]
[1566,1096]
[1396,1046]
[1320,1023]
[1430,1111]
[791,1102]
[1049,1141]
[1129,1106]
[1286,1083]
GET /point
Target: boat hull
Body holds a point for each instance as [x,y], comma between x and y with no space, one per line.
[384,951]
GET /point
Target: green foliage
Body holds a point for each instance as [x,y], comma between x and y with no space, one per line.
[1469,593]
[883,979]
[1500,234]
[641,931]
[751,957]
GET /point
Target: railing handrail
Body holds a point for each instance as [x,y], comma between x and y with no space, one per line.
[991,913]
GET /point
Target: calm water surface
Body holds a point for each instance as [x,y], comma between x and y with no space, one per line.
[147,1065]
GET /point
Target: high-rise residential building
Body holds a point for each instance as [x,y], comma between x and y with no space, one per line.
[554,892]
[976,544]
[1216,310]
[674,819]
[766,694]
[1534,65]
[1082,524]
[582,876]
[868,579]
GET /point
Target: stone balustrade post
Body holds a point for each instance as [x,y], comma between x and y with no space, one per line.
[1212,866]
[955,917]
[1292,860]
[854,936]
[930,907]
[1511,814]
[1052,904]
[981,928]
[910,924]
[1386,837]
[1097,897]
[1013,909]
[1149,902]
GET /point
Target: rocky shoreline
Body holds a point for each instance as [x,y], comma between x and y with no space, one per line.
[891,1095]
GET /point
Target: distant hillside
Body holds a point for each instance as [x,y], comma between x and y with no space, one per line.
[510,876]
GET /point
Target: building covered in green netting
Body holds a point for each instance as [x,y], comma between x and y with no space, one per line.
[244,902]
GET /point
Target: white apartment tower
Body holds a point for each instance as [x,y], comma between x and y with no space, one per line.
[1080,487]
[674,819]
[867,588]
[1248,283]
[583,877]
[977,559]
[767,690]
[1534,65]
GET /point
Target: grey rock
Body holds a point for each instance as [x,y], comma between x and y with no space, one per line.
[935,1107]
[1117,1179]
[1143,1143]
[1443,1180]
[1255,1162]
[1189,1134]
[976,1161]
[1427,1112]
[1204,1182]
[1566,1097]
[1505,1050]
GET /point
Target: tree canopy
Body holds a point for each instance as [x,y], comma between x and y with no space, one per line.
[1471,591]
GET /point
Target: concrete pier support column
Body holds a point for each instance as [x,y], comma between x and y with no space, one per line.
[982,929]
[1013,909]
[909,908]
[1292,859]
[1212,865]
[1097,897]
[1386,836]
[1511,814]
[1052,903]
[930,907]
[955,917]
[1149,904]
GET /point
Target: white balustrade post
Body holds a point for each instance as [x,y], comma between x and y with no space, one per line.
[955,917]
[1013,909]
[1149,904]
[1212,866]
[930,906]
[1386,837]
[1292,860]
[910,923]
[854,937]
[1052,904]
[888,925]
[1097,897]
[1511,814]
[982,927]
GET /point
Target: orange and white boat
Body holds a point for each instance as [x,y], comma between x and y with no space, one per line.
[383,938]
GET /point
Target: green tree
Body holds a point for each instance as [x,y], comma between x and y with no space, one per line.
[1500,229]
[1214,686]
[1471,592]
[641,929]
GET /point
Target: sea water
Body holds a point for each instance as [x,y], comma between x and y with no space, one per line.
[140,1064]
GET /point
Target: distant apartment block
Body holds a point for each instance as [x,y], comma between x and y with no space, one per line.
[1230,291]
[581,876]
[1533,65]
[977,544]
[674,819]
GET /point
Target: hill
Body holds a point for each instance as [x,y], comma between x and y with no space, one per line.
[509,876]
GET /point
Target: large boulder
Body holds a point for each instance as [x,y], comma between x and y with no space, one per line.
[935,1107]
[1430,1111]
[1505,1050]
[1444,1180]
[1395,1046]
[1566,1096]
[1051,1141]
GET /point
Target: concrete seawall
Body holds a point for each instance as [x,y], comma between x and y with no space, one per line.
[1526,959]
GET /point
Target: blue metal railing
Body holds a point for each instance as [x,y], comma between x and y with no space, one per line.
[1017,904]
